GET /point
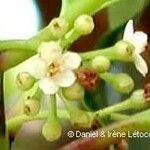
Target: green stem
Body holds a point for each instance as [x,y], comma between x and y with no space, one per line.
[2,109]
[17,44]
[130,103]
[115,108]
[16,122]
[122,51]
[53,106]
[108,52]
[69,38]
[14,52]
[118,116]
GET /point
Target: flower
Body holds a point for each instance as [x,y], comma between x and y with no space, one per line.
[54,69]
[139,41]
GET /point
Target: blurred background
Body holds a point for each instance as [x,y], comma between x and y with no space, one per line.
[21,19]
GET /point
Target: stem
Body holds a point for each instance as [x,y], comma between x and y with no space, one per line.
[14,52]
[2,109]
[118,116]
[115,108]
[70,37]
[130,103]
[4,142]
[53,106]
[17,44]
[16,122]
[108,52]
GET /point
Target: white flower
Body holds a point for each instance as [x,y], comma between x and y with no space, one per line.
[54,69]
[139,41]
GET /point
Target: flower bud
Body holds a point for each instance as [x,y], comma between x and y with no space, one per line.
[81,119]
[58,27]
[31,107]
[74,92]
[101,63]
[25,81]
[121,82]
[52,129]
[84,24]
[137,99]
[124,51]
[138,94]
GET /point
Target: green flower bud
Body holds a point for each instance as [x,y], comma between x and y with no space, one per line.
[101,63]
[81,119]
[25,81]
[58,27]
[84,24]
[137,99]
[124,51]
[138,94]
[52,129]
[121,82]
[31,107]
[74,92]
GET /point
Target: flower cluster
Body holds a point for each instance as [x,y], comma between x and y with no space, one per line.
[67,74]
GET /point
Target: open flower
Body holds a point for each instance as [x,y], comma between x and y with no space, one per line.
[139,41]
[54,69]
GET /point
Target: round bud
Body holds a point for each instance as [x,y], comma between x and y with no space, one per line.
[52,130]
[25,81]
[101,63]
[81,119]
[138,94]
[123,83]
[74,92]
[137,99]
[31,107]
[84,24]
[58,27]
[124,51]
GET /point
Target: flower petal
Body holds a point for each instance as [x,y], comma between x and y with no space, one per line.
[141,65]
[48,86]
[37,68]
[72,60]
[65,78]
[140,41]
[129,31]
[49,51]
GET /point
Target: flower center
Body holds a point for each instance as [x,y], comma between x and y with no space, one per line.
[55,67]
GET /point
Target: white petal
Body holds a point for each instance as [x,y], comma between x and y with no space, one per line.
[129,31]
[49,51]
[141,65]
[72,60]
[37,68]
[48,86]
[140,41]
[65,78]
